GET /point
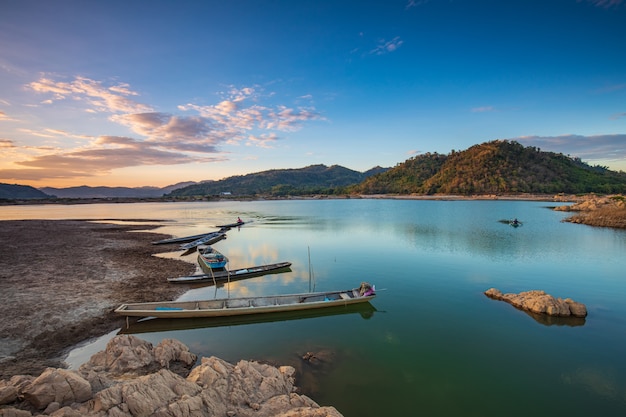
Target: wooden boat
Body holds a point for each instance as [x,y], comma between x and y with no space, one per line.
[233,275]
[210,259]
[231,225]
[185,239]
[247,305]
[151,325]
[208,239]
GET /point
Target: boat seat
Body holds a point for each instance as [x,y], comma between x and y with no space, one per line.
[344,296]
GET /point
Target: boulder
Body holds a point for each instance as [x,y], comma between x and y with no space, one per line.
[57,385]
[537,301]
[121,381]
[8,393]
[123,354]
[128,355]
[14,412]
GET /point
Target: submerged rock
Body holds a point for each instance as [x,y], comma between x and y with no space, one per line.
[538,301]
[131,378]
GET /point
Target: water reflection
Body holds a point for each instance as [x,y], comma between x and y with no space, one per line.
[547,320]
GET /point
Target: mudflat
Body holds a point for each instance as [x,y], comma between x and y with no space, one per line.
[61,280]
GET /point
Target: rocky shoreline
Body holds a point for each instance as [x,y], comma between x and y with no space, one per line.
[131,378]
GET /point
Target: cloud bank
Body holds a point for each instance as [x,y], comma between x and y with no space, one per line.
[195,133]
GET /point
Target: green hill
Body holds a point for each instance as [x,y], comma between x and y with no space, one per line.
[497,167]
[314,179]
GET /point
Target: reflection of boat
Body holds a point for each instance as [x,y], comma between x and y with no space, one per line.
[235,274]
[366,310]
[208,239]
[210,259]
[248,305]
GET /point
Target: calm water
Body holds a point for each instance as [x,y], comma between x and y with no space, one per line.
[435,345]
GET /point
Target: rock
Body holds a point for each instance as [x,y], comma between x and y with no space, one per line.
[128,355]
[123,354]
[57,385]
[8,393]
[171,351]
[146,395]
[539,302]
[116,382]
[14,412]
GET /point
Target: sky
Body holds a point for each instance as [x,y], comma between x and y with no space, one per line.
[154,92]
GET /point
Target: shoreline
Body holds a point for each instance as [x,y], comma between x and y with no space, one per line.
[59,294]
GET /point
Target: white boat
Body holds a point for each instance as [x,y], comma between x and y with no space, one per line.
[248,305]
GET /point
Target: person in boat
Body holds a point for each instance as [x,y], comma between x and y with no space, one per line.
[239,220]
[515,221]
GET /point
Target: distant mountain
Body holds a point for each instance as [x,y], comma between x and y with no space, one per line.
[314,179]
[496,167]
[112,192]
[20,192]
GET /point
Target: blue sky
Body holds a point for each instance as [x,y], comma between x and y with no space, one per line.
[134,93]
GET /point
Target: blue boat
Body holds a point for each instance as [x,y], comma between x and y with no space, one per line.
[210,259]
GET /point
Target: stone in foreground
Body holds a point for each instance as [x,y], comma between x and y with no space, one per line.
[131,378]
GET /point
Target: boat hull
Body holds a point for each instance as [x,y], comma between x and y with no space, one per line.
[208,239]
[243,306]
[150,325]
[233,275]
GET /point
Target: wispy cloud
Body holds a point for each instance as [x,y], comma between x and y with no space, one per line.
[607,4]
[98,97]
[6,143]
[415,3]
[385,47]
[617,116]
[195,135]
[595,148]
[262,141]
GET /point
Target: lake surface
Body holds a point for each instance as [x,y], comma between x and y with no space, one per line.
[431,343]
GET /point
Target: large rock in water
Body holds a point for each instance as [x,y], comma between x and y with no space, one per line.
[538,301]
[133,379]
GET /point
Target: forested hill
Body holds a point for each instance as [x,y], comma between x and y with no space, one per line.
[24,192]
[497,167]
[314,179]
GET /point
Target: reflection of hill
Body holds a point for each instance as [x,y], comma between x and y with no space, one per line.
[366,310]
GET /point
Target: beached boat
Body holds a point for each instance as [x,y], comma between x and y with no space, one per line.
[210,259]
[248,305]
[208,239]
[222,275]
